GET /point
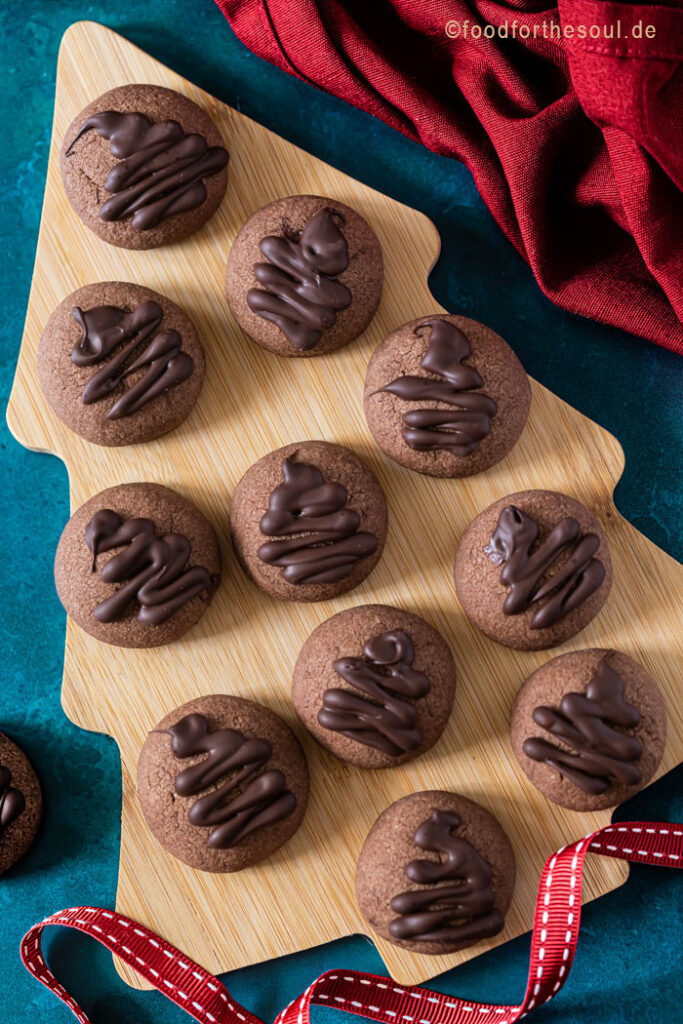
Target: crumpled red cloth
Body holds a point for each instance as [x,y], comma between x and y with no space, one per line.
[576,145]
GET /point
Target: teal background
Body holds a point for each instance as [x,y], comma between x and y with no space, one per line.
[628,965]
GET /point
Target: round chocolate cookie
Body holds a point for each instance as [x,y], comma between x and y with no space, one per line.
[308,521]
[533,569]
[446,395]
[21,803]
[120,364]
[137,565]
[375,685]
[144,166]
[304,276]
[436,873]
[589,729]
[223,783]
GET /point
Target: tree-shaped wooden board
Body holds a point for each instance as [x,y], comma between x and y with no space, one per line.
[247,642]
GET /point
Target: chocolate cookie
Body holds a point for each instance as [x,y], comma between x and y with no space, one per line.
[446,395]
[137,565]
[308,521]
[120,364]
[589,729]
[304,276]
[436,873]
[21,803]
[223,783]
[144,166]
[375,685]
[533,569]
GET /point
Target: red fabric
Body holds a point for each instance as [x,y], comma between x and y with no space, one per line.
[575,145]
[553,944]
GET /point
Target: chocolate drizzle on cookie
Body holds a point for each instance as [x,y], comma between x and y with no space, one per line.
[457,903]
[300,292]
[12,801]
[160,170]
[595,753]
[318,536]
[459,429]
[523,570]
[386,717]
[152,570]
[108,328]
[245,797]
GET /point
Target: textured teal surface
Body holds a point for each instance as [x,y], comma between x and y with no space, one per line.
[631,944]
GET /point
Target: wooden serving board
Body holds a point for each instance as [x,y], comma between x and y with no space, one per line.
[247,643]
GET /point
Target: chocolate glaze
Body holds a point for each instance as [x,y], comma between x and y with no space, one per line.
[460,913]
[160,168]
[385,675]
[106,328]
[301,294]
[586,724]
[153,570]
[323,543]
[510,546]
[461,428]
[12,801]
[262,797]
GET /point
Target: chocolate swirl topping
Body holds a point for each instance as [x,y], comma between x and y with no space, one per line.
[461,428]
[579,577]
[319,537]
[248,800]
[160,168]
[12,801]
[388,720]
[301,294]
[153,570]
[588,724]
[107,328]
[463,912]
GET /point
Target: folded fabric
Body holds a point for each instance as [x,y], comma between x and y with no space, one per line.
[569,117]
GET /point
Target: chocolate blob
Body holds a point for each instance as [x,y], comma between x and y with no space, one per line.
[300,292]
[261,798]
[12,801]
[107,328]
[383,674]
[510,546]
[160,168]
[463,912]
[153,570]
[320,541]
[461,428]
[586,724]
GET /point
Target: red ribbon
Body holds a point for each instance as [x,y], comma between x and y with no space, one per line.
[556,930]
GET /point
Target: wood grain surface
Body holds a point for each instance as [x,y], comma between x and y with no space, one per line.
[247,643]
